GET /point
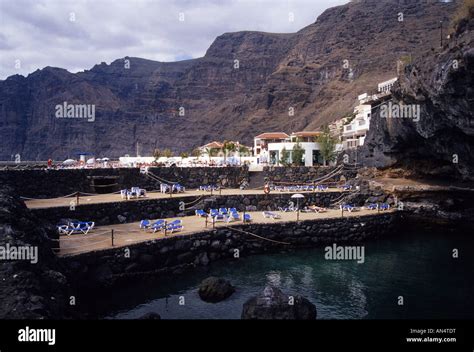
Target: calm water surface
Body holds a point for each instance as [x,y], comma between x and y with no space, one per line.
[417,266]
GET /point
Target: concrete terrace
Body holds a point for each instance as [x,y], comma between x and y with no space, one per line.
[128,234]
[112,198]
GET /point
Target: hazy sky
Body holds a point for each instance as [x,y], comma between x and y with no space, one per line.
[78,34]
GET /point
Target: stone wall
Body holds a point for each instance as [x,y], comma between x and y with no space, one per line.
[302,174]
[135,210]
[179,252]
[40,183]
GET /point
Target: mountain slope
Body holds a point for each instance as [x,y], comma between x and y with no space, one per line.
[276,73]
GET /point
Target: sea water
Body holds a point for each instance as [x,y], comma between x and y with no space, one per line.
[421,268]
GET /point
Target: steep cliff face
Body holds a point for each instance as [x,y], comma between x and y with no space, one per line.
[441,142]
[221,98]
[32,288]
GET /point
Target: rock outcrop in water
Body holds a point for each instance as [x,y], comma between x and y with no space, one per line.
[306,71]
[30,288]
[441,142]
[215,289]
[272,303]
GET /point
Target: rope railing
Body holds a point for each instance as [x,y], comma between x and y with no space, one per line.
[255,235]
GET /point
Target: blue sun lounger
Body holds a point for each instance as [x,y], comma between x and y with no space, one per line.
[219,217]
[213,212]
[271,215]
[372,206]
[384,206]
[201,213]
[246,218]
[75,227]
[144,224]
[178,188]
[158,225]
[348,207]
[233,216]
[174,226]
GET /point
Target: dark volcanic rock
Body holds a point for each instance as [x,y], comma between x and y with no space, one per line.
[29,290]
[272,303]
[441,142]
[302,70]
[214,289]
[150,316]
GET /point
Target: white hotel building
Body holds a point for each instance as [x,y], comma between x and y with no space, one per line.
[354,133]
[268,147]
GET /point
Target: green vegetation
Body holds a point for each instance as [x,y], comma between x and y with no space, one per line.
[285,157]
[168,153]
[196,152]
[327,143]
[157,153]
[297,155]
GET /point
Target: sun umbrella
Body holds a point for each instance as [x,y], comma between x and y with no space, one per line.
[90,161]
[297,196]
[69,162]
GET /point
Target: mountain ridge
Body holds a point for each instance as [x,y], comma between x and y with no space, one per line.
[276,71]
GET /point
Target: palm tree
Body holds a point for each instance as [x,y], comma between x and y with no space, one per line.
[208,151]
[228,147]
[242,149]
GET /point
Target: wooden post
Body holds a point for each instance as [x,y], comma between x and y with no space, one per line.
[243,216]
[206,222]
[112,235]
[166,227]
[342,211]
[213,222]
[220,191]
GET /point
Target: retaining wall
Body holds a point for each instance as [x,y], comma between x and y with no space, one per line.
[124,211]
[180,252]
[44,183]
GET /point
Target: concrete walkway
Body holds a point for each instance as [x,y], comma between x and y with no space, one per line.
[111,198]
[127,234]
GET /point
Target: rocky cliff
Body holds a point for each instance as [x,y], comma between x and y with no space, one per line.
[32,285]
[181,105]
[441,141]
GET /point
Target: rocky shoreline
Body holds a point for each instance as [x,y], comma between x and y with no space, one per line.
[46,289]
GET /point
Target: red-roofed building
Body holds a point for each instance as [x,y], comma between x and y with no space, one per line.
[261,143]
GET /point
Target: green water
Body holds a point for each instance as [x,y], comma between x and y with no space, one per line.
[418,266]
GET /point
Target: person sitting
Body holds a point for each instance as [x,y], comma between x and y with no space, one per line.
[316,209]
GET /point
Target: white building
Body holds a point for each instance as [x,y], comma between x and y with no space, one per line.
[261,142]
[306,140]
[386,87]
[354,132]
